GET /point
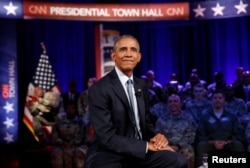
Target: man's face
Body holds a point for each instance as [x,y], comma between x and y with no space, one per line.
[126,55]
[218,100]
[198,92]
[174,104]
[194,79]
[150,76]
[229,91]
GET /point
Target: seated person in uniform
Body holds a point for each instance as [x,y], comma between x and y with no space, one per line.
[179,127]
[218,130]
[68,136]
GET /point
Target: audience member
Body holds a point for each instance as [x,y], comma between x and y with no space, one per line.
[248,106]
[153,99]
[187,92]
[247,136]
[236,106]
[199,104]
[218,130]
[172,87]
[179,127]
[159,109]
[83,110]
[219,83]
[173,81]
[37,125]
[124,134]
[71,95]
[42,107]
[82,104]
[153,84]
[68,136]
[202,81]
[243,90]
[239,79]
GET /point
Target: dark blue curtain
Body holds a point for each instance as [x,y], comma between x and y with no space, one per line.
[166,46]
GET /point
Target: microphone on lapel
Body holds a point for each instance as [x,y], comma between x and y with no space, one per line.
[138,93]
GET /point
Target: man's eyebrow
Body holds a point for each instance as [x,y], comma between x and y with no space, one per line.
[134,48]
[121,48]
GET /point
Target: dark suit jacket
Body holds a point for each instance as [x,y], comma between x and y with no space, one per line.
[66,98]
[110,116]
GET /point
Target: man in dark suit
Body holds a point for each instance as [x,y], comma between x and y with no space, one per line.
[71,95]
[124,135]
[242,91]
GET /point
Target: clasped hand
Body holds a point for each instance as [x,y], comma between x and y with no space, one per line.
[159,142]
[219,144]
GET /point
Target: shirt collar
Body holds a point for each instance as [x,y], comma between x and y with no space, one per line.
[123,78]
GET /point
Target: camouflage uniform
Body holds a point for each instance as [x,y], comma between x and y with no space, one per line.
[39,119]
[198,108]
[238,107]
[159,109]
[180,130]
[68,136]
[82,104]
[248,106]
[247,135]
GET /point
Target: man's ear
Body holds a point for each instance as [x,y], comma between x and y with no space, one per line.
[139,58]
[112,55]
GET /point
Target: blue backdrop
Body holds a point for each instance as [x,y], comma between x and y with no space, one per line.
[167,46]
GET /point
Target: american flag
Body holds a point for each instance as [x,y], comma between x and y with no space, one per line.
[44,77]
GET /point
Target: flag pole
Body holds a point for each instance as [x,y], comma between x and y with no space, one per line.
[43,47]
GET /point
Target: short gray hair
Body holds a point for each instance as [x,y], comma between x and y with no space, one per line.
[125,36]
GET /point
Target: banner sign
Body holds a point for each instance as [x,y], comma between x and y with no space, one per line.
[8,82]
[107,12]
[199,10]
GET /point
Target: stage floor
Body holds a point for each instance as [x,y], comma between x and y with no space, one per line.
[26,158]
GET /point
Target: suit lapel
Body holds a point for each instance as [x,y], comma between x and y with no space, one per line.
[120,93]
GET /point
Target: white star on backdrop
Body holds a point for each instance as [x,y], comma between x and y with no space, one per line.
[241,7]
[9,137]
[8,107]
[11,9]
[8,122]
[218,9]
[199,11]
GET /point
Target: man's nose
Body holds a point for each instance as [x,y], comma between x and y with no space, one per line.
[129,52]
